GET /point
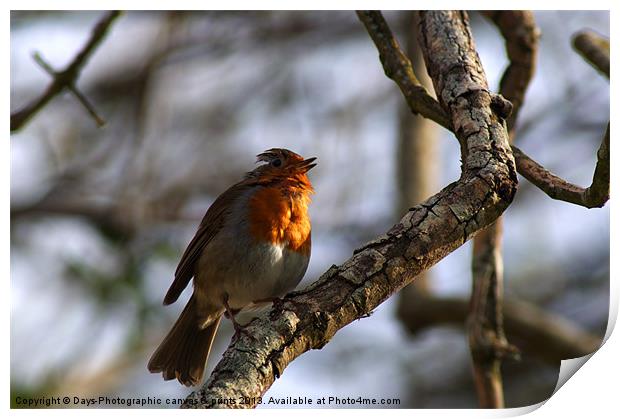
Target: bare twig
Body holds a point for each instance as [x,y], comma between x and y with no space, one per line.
[538,332]
[398,68]
[79,96]
[67,77]
[521,35]
[309,318]
[594,196]
[594,48]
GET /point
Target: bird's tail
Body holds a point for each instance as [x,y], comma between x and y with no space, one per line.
[184,351]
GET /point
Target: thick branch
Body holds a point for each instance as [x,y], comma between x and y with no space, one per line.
[398,68]
[67,77]
[594,196]
[521,36]
[308,319]
[538,332]
[594,48]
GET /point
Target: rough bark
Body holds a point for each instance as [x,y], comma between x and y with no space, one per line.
[307,319]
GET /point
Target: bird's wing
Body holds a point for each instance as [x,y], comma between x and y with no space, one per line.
[211,223]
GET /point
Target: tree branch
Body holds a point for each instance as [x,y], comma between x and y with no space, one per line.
[538,332]
[594,196]
[67,77]
[521,34]
[521,46]
[398,68]
[594,48]
[108,218]
[308,319]
[485,325]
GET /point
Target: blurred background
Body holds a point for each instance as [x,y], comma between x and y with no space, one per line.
[100,217]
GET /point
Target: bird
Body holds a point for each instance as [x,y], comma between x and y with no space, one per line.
[251,247]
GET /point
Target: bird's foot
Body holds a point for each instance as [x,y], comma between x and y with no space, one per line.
[239,328]
[270,300]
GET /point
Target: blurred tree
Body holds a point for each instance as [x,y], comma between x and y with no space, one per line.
[417,154]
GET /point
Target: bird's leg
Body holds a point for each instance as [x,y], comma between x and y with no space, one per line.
[230,313]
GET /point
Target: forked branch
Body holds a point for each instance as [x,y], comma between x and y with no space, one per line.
[67,78]
[516,75]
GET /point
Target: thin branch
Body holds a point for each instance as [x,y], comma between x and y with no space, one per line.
[398,68]
[111,219]
[594,196]
[485,324]
[67,77]
[521,35]
[594,48]
[78,95]
[308,319]
[538,332]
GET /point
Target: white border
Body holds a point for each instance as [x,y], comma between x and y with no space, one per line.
[591,393]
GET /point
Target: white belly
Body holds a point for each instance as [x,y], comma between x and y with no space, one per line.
[234,265]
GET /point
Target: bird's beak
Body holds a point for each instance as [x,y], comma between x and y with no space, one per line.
[305,165]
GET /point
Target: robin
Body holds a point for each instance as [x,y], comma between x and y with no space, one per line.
[252,246]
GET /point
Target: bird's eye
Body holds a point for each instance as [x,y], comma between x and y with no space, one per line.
[276,163]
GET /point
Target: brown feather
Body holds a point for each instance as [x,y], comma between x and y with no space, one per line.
[184,351]
[209,226]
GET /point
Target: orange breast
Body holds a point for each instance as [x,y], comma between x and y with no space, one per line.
[279,218]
